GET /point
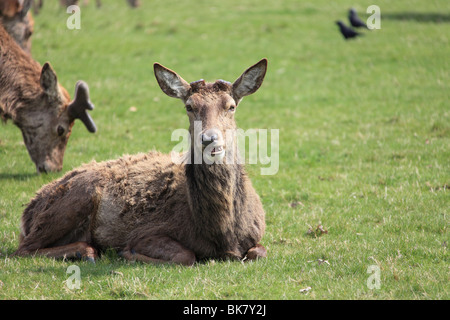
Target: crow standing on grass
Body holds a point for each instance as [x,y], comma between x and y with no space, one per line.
[347,32]
[355,20]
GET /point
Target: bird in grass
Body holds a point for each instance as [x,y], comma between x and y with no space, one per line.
[355,21]
[347,32]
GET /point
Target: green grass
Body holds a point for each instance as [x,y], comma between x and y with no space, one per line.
[364,144]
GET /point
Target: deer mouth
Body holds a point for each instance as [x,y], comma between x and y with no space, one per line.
[213,153]
[213,145]
[216,151]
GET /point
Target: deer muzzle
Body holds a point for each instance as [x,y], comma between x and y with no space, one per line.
[213,142]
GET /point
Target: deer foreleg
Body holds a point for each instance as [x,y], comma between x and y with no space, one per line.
[76,250]
[159,250]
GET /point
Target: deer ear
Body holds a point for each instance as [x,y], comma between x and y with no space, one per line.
[170,82]
[49,81]
[249,81]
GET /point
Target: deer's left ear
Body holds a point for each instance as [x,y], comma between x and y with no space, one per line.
[249,81]
[49,81]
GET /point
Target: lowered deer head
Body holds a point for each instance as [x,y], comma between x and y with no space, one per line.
[47,123]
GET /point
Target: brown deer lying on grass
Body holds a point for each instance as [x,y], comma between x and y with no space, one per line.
[150,208]
[32,97]
[17,21]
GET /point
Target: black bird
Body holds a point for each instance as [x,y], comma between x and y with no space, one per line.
[347,32]
[355,20]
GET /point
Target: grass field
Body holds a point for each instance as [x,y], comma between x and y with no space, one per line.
[364,144]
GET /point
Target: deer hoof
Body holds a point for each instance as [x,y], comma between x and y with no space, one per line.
[256,252]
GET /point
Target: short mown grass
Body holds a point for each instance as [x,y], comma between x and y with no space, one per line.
[364,144]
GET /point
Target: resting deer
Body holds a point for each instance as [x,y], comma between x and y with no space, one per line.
[150,208]
[32,97]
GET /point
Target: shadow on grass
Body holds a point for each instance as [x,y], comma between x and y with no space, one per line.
[17,176]
[426,17]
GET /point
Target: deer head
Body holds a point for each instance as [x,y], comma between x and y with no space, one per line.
[213,105]
[47,122]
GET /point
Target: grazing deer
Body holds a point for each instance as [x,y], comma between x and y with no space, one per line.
[17,21]
[34,100]
[150,208]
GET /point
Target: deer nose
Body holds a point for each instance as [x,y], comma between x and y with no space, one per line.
[42,169]
[206,140]
[209,136]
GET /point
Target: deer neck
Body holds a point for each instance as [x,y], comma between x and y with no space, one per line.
[19,77]
[215,196]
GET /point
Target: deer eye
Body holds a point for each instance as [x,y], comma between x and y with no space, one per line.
[188,108]
[232,108]
[60,130]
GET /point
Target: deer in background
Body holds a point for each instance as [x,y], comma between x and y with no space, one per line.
[17,21]
[34,100]
[151,209]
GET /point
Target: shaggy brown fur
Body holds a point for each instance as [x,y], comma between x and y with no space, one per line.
[149,208]
[32,97]
[17,21]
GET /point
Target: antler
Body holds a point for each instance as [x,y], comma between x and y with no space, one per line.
[78,107]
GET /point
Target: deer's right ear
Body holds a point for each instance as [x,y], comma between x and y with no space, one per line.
[170,82]
[49,81]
